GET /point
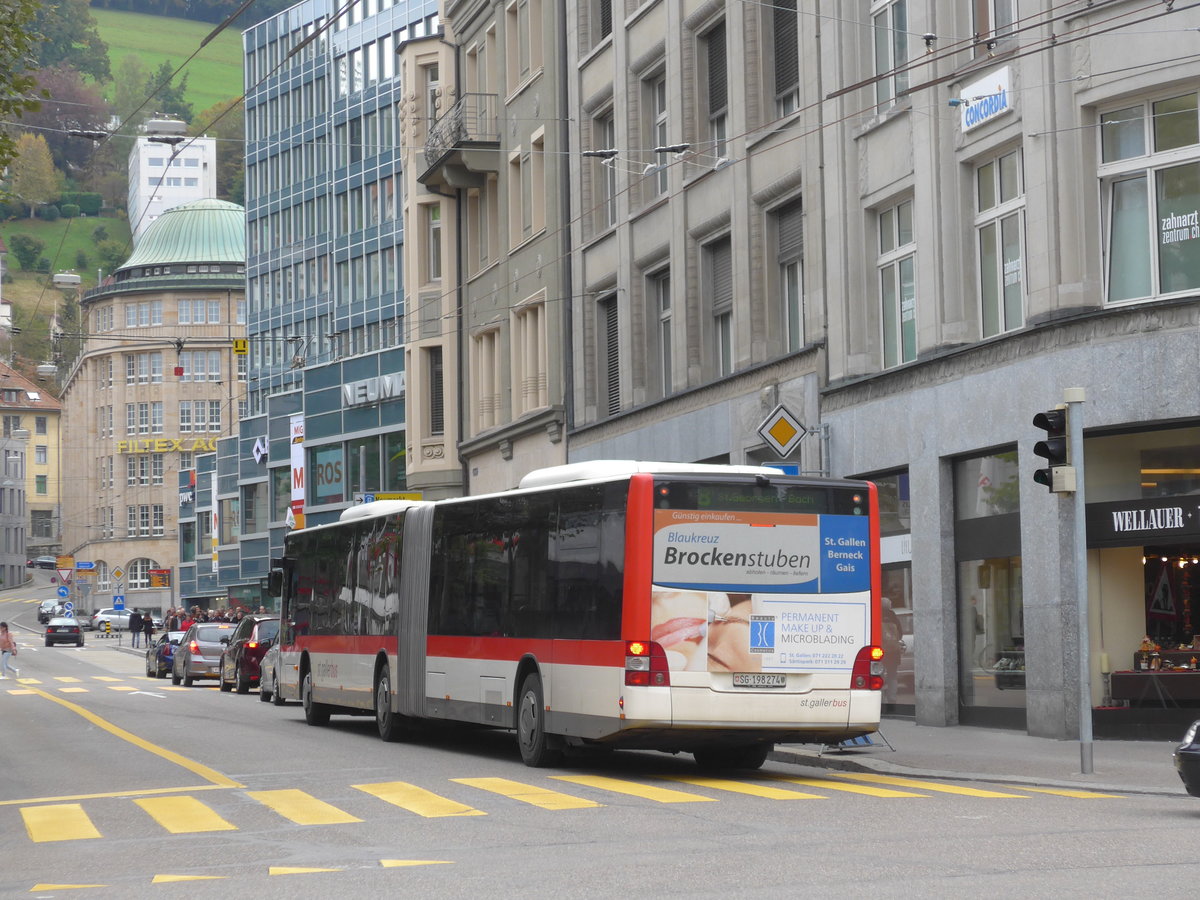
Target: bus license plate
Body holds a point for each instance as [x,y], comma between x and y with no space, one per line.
[759,679]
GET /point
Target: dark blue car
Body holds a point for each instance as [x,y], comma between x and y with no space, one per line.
[161,654]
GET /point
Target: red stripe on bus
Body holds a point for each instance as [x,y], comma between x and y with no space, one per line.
[639,558]
[580,653]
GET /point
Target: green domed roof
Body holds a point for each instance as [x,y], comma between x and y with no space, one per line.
[203,231]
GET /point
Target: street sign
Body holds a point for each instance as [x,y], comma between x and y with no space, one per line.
[65,575]
[387,495]
[118,601]
[118,573]
[64,591]
[241,346]
[782,431]
[69,609]
[84,564]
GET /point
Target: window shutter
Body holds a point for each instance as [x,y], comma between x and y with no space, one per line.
[612,357]
[605,18]
[717,78]
[787,46]
[437,412]
[791,231]
[721,271]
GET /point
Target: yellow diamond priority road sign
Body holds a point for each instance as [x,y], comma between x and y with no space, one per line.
[782,431]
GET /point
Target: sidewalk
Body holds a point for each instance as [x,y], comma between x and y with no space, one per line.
[998,755]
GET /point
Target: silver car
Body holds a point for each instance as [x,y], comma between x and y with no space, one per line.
[268,680]
[199,653]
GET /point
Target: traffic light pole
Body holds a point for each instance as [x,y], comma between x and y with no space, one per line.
[1074,398]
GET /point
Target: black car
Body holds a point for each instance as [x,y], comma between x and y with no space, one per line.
[42,562]
[1187,759]
[63,631]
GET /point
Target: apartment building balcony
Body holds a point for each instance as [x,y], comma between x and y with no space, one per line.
[462,146]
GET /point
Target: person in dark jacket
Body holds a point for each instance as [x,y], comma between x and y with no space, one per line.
[148,627]
[135,626]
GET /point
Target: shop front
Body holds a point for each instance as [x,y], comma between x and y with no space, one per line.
[1144,560]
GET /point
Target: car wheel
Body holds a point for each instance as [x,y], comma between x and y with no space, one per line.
[276,696]
[226,686]
[241,681]
[538,749]
[188,680]
[79,643]
[47,642]
[175,679]
[314,713]
[264,696]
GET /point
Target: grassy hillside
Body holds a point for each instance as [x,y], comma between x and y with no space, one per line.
[214,75]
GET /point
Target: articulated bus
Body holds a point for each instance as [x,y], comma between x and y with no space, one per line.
[707,609]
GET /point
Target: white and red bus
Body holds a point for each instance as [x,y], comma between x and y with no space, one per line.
[710,609]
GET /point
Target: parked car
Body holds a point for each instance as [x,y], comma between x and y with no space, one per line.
[161,654]
[240,663]
[48,610]
[42,562]
[61,630]
[268,682]
[199,652]
[1187,759]
[117,618]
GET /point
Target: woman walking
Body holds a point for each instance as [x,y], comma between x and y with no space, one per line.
[8,649]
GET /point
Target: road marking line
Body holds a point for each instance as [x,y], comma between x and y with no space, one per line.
[67,679]
[928,785]
[848,788]
[64,822]
[633,789]
[121,687]
[171,879]
[302,808]
[297,870]
[739,787]
[526,793]
[418,800]
[74,690]
[211,775]
[117,795]
[1066,792]
[402,863]
[183,815]
[42,888]
[105,678]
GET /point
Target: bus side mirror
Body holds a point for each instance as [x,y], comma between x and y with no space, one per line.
[275,583]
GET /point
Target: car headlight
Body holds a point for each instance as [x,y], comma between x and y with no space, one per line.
[1189,736]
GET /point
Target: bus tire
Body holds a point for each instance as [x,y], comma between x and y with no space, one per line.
[276,696]
[314,713]
[386,719]
[538,749]
[750,756]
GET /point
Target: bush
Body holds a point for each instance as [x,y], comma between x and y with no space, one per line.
[27,249]
[69,210]
[43,265]
[99,233]
[6,210]
[48,213]
[81,259]
[89,203]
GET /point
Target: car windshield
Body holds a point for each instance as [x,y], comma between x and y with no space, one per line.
[268,631]
[63,622]
[212,633]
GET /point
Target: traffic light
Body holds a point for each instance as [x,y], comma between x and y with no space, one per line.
[1059,475]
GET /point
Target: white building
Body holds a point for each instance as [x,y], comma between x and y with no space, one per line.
[166,171]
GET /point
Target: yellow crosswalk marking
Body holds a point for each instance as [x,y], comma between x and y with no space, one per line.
[172,879]
[121,687]
[45,888]
[739,787]
[61,822]
[302,808]
[297,870]
[104,678]
[928,785]
[527,793]
[1066,792]
[67,679]
[633,789]
[73,690]
[183,815]
[847,788]
[404,863]
[418,800]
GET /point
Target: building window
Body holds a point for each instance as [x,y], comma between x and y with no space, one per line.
[999,225]
[523,33]
[185,416]
[488,378]
[604,137]
[785,62]
[41,523]
[137,573]
[11,424]
[601,20]
[656,91]
[42,484]
[537,183]
[529,358]
[789,235]
[41,454]
[660,297]
[1150,182]
[609,355]
[437,406]
[897,285]
[890,23]
[433,231]
[39,423]
[520,196]
[718,282]
[991,21]
[717,83]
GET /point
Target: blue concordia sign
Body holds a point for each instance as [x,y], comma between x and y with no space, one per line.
[986,99]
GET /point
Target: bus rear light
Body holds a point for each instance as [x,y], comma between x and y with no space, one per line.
[646,665]
[867,674]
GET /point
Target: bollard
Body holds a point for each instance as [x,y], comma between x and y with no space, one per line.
[107,628]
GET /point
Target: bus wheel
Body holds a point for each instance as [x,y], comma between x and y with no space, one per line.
[747,757]
[386,719]
[314,713]
[537,747]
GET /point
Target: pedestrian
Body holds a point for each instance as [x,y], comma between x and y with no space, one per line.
[8,649]
[148,627]
[135,626]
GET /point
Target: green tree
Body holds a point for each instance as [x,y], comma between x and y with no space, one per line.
[33,177]
[168,97]
[110,255]
[129,90]
[69,36]
[226,121]
[27,249]
[17,57]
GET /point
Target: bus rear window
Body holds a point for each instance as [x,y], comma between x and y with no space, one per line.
[768,496]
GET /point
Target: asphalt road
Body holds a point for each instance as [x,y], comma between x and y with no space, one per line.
[116,785]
